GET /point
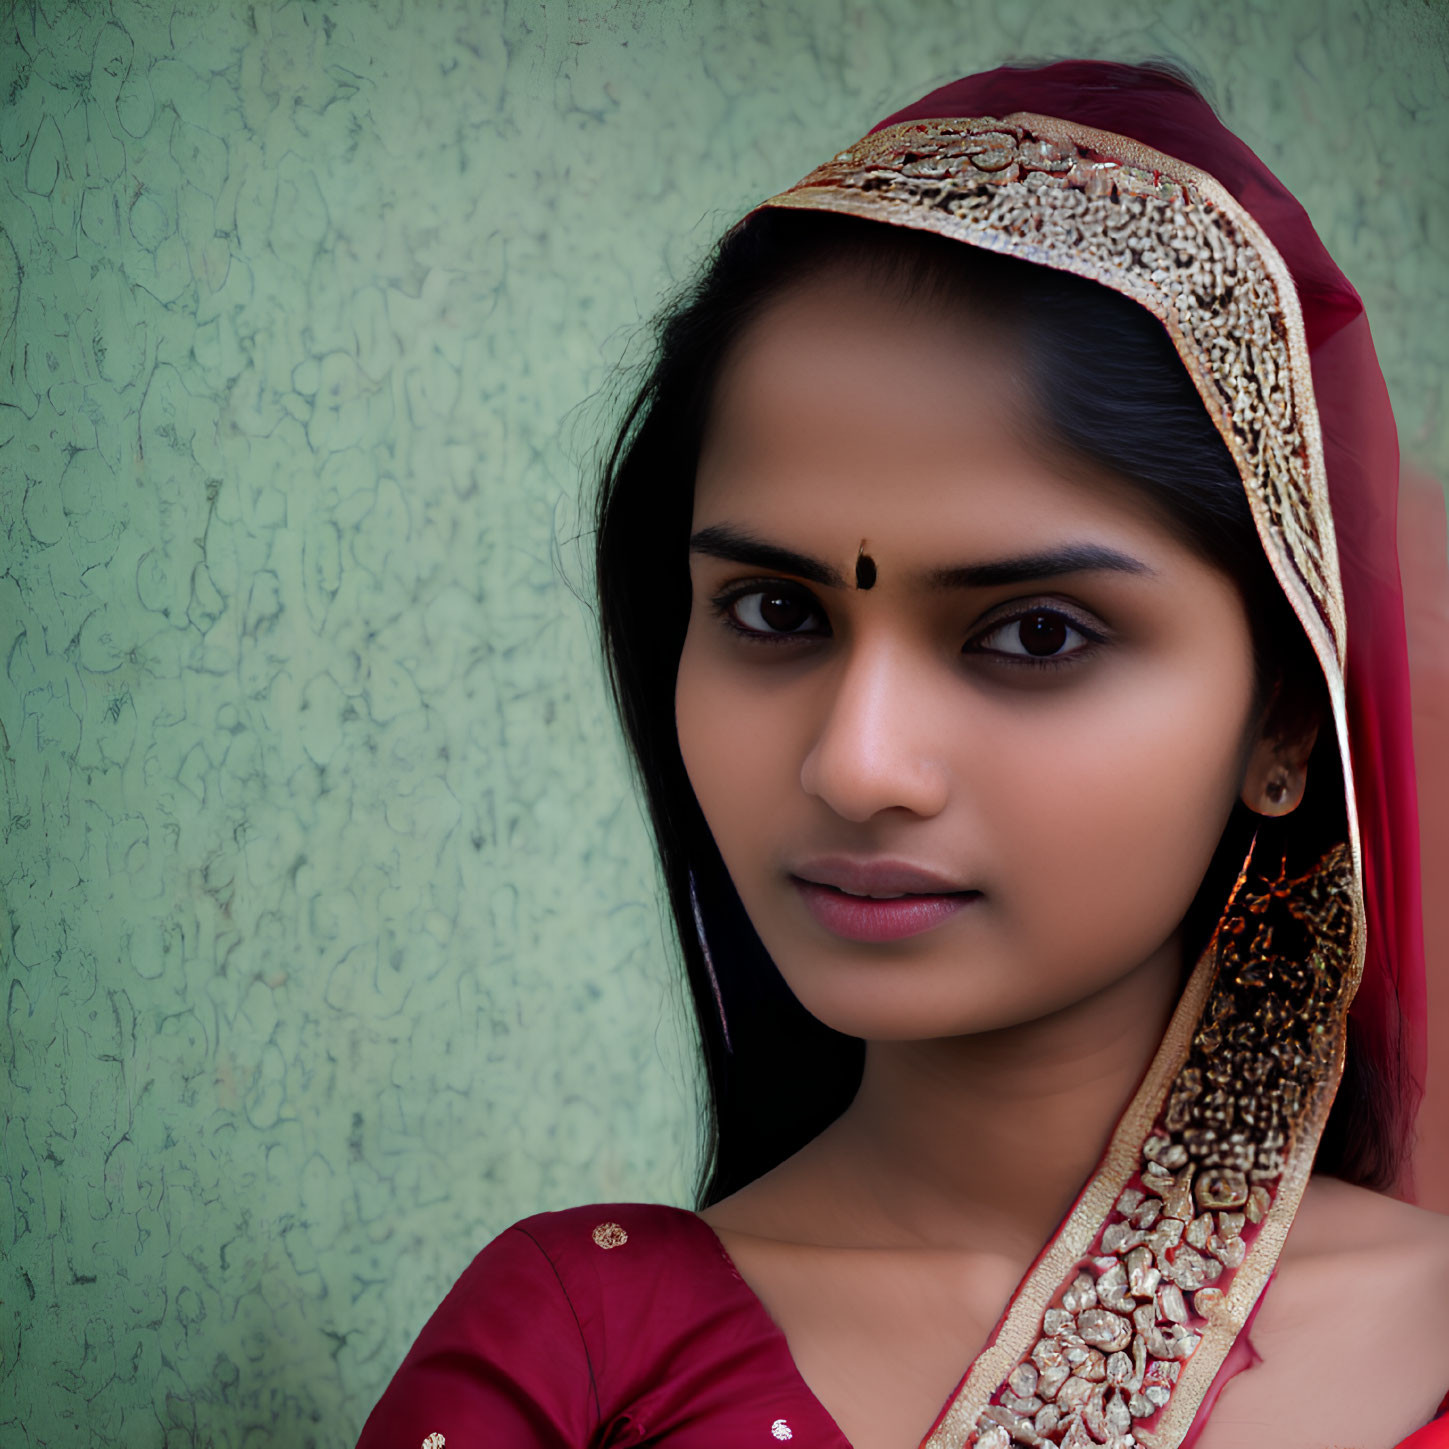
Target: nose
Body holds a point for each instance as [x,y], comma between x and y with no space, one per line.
[878,744]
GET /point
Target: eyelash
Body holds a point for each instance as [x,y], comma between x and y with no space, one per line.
[723,605]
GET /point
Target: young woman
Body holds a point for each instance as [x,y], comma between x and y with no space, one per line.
[998,579]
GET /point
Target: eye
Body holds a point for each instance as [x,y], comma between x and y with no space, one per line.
[772,612]
[1039,636]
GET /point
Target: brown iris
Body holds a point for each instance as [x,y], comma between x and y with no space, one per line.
[1042,634]
[785,612]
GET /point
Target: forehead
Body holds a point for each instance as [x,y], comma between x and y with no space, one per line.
[847,410]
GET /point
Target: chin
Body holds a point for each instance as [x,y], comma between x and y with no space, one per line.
[958,990]
[890,1000]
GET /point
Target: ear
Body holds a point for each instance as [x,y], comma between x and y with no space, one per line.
[1277,773]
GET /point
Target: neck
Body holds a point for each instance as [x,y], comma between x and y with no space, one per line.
[987,1139]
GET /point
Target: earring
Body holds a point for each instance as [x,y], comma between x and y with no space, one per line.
[709,962]
[1278,793]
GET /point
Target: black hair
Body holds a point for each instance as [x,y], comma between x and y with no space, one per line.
[1108,386]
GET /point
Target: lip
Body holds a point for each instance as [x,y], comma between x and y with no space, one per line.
[876,876]
[923,899]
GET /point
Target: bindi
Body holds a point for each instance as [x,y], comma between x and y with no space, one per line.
[864,569]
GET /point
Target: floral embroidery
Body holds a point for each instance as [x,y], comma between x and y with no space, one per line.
[610,1235]
[434,1441]
[781,1430]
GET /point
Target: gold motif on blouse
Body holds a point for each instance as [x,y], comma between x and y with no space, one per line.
[610,1235]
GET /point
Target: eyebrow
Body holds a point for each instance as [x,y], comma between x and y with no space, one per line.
[737,546]
[1072,558]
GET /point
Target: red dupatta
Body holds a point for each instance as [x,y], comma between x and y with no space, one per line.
[1158,1268]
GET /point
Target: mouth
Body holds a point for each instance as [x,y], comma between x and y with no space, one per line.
[878,900]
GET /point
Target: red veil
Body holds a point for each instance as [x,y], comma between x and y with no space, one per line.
[1360,446]
[1125,176]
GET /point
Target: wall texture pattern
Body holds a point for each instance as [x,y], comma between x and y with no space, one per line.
[330,943]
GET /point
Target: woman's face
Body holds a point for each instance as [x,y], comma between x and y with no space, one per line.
[1029,729]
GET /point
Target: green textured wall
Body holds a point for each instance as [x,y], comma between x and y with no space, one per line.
[332,944]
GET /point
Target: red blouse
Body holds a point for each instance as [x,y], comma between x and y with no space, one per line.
[617,1324]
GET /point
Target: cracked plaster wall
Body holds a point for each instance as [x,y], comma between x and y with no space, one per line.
[331,943]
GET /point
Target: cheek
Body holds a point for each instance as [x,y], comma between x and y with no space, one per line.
[1107,816]
[732,749]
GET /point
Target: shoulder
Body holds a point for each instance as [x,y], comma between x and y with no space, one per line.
[604,1248]
[1339,1221]
[608,1264]
[1354,1329]
[583,1260]
[554,1327]
[606,1226]
[1390,1257]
